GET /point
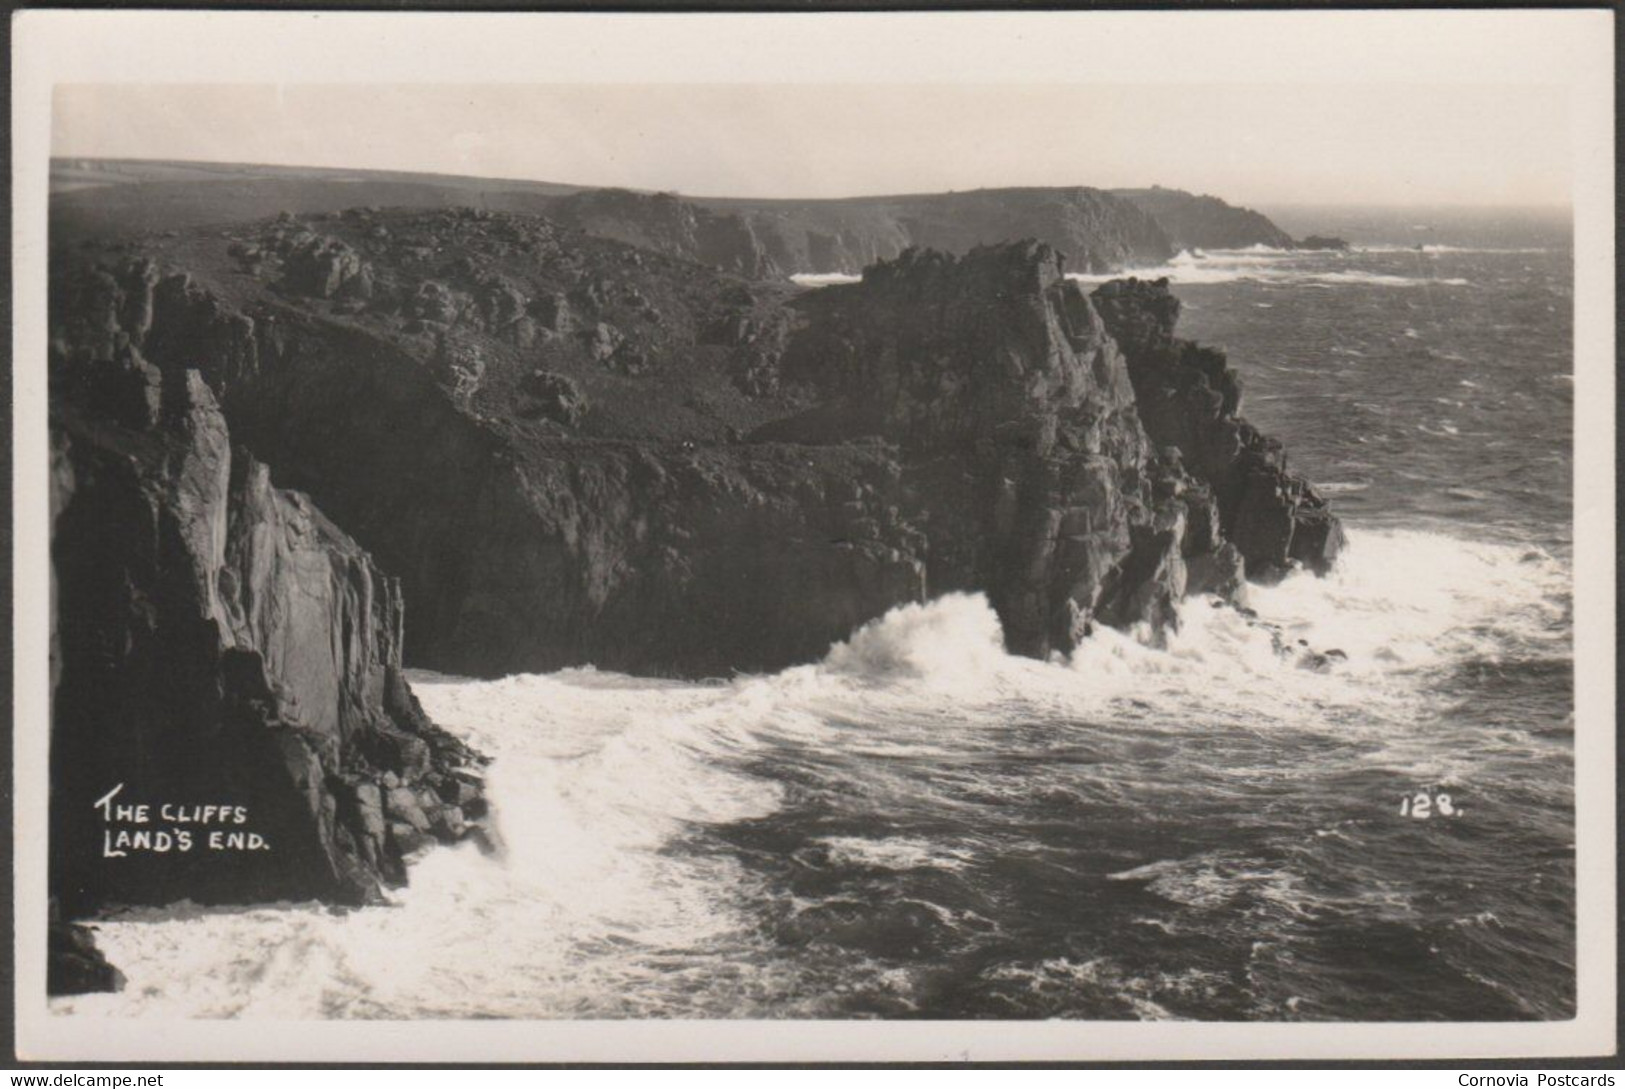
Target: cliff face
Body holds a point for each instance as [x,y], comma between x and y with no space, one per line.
[1096,231]
[530,429]
[766,239]
[217,642]
[1189,399]
[1019,421]
[573,451]
[1204,222]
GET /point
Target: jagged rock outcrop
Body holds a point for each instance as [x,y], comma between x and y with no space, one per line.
[1205,222]
[1027,463]
[73,964]
[1190,399]
[226,663]
[529,530]
[706,474]
[1322,242]
[556,396]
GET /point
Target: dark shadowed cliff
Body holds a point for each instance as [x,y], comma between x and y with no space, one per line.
[218,642]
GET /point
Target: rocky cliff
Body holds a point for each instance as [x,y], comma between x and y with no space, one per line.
[1189,399]
[530,428]
[1205,222]
[1097,231]
[1026,465]
[571,450]
[766,239]
[230,721]
[666,224]
[754,238]
[1067,455]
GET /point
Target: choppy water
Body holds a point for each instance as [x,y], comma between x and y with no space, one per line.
[923,826]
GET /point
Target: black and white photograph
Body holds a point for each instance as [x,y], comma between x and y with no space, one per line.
[698,526]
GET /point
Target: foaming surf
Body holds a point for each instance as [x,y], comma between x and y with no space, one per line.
[1438,248]
[823,279]
[1262,265]
[922,824]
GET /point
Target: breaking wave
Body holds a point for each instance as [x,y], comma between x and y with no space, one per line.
[824,279]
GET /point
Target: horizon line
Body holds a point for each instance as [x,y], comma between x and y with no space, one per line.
[894,194]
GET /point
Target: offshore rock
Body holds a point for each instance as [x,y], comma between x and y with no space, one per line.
[1322,242]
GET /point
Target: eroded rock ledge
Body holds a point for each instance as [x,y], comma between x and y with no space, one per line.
[1189,398]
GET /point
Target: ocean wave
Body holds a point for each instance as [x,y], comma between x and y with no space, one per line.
[824,279]
[889,854]
[1258,248]
[1257,264]
[596,909]
[1083,988]
[953,636]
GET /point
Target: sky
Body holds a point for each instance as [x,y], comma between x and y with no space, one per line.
[1265,109]
[1258,145]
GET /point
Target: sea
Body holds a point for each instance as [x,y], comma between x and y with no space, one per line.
[922,826]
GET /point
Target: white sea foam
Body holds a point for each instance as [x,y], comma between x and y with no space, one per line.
[1255,264]
[592,776]
[1269,265]
[1431,248]
[1063,979]
[890,854]
[824,279]
[590,911]
[954,637]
